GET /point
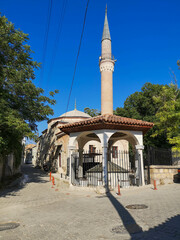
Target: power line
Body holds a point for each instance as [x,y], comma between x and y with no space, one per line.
[77,55]
[46,40]
[57,39]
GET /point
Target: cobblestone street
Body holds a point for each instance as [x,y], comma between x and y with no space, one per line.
[45,213]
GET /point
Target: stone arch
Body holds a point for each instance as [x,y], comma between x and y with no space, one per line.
[78,141]
[82,138]
[123,135]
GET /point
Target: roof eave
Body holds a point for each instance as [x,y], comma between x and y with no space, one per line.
[103,125]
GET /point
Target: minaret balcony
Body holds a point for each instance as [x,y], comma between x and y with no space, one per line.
[106,56]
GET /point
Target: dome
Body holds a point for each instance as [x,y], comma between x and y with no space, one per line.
[75,113]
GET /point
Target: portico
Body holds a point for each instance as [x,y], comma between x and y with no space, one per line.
[106,129]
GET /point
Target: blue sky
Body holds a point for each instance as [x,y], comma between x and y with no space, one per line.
[145,41]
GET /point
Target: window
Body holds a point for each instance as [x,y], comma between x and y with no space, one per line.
[114,151]
[59,159]
[92,149]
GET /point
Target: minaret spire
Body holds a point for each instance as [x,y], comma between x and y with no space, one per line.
[106,65]
[106,33]
[75,108]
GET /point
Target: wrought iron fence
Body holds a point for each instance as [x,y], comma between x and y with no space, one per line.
[156,156]
[176,157]
[159,156]
[92,168]
[119,169]
[87,169]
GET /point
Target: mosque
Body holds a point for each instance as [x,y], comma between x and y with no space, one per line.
[94,151]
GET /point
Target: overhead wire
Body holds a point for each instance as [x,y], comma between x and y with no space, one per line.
[45,41]
[77,55]
[58,35]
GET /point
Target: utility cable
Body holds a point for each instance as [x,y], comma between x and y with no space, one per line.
[46,40]
[77,56]
[60,24]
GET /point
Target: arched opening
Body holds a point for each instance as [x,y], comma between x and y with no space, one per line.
[88,160]
[122,159]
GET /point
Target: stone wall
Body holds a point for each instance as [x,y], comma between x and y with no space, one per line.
[163,174]
[1,166]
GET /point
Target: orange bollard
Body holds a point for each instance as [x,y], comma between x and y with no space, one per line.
[155,185]
[53,180]
[50,176]
[118,190]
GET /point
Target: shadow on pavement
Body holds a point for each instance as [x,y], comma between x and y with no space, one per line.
[30,174]
[128,221]
[168,230]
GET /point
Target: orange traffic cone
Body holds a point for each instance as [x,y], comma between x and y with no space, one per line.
[155,185]
[119,193]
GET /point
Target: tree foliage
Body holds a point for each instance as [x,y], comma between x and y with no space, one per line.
[141,105]
[178,63]
[168,114]
[92,112]
[22,104]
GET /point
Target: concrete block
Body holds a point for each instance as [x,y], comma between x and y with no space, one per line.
[161,182]
[100,190]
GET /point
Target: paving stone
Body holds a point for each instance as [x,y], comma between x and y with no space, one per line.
[44,213]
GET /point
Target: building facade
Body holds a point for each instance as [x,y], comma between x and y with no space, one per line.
[93,151]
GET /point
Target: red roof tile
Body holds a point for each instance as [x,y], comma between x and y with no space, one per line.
[107,121]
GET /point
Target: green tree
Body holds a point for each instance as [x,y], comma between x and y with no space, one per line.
[141,105]
[92,112]
[178,63]
[22,104]
[168,114]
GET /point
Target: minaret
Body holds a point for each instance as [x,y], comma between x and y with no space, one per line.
[106,64]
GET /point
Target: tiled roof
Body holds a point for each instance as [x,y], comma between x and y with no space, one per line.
[29,146]
[107,121]
[112,168]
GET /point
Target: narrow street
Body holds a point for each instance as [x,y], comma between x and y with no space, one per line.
[63,213]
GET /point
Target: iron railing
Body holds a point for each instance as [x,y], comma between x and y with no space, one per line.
[159,156]
[176,157]
[87,169]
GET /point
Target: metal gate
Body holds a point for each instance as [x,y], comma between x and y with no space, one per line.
[92,168]
[122,169]
[87,170]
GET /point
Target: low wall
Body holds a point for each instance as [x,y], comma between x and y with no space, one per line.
[162,174]
[1,166]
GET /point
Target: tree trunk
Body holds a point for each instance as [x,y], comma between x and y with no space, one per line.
[4,161]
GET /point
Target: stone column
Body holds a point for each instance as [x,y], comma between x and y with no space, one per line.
[139,149]
[71,151]
[104,137]
[105,167]
[80,169]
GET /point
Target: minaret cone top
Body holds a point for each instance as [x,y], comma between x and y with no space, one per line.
[106,33]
